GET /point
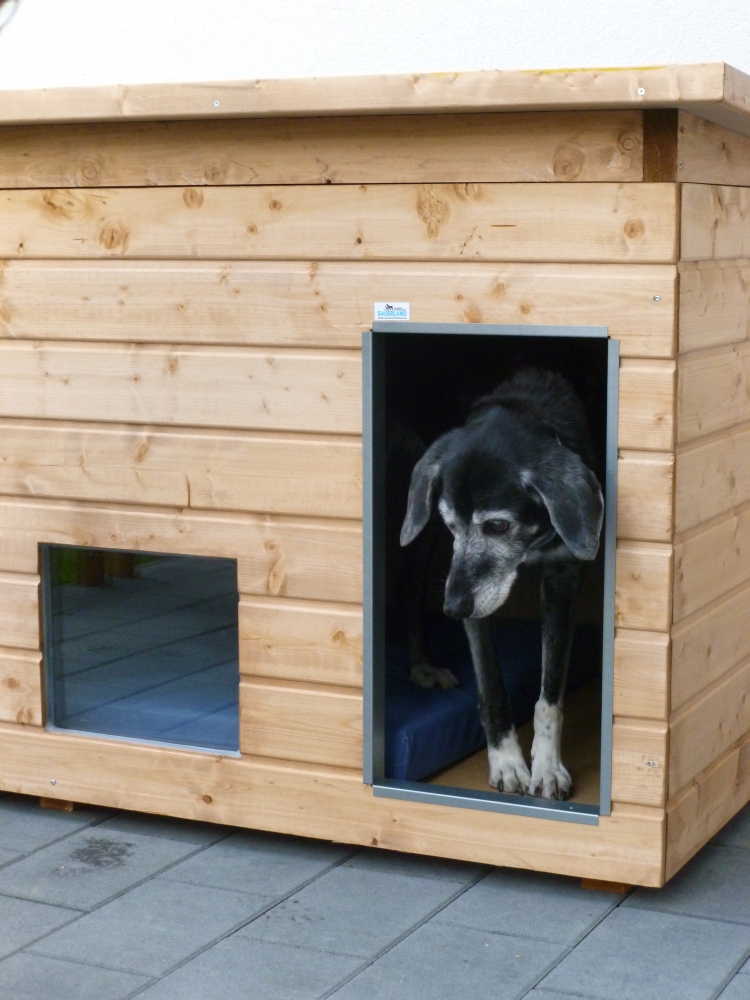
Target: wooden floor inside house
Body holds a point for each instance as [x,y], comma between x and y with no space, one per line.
[152,657]
[580,745]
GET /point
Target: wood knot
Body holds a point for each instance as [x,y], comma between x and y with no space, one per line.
[213,174]
[252,229]
[338,637]
[432,209]
[524,308]
[275,205]
[12,683]
[472,314]
[60,203]
[114,237]
[276,578]
[568,162]
[193,197]
[498,290]
[4,314]
[90,171]
[207,799]
[634,230]
[172,365]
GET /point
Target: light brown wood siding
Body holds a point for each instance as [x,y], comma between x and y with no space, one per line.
[21,686]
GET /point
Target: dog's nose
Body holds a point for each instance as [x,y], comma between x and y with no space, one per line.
[458,605]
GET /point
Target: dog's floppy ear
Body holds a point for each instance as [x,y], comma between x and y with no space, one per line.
[421,489]
[573,498]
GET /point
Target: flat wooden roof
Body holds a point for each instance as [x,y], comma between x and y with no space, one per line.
[713,91]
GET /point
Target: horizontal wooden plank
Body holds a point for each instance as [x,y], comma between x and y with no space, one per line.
[715,222]
[639,761]
[315,801]
[317,724]
[509,222]
[712,477]
[711,154]
[645,482]
[711,563]
[712,390]
[193,386]
[326,304]
[708,727]
[19,610]
[274,473]
[703,808]
[643,586]
[641,681]
[708,645]
[21,687]
[647,402]
[280,556]
[557,146]
[301,641]
[714,304]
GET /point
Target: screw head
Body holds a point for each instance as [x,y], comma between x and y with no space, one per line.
[641,91]
[657,298]
[217,103]
[651,763]
[53,782]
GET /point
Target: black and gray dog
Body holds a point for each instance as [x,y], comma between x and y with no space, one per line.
[515,485]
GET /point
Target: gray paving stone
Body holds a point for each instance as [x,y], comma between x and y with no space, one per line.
[23,922]
[31,977]
[716,884]
[441,962]
[635,954]
[7,856]
[90,867]
[547,907]
[25,826]
[264,863]
[737,989]
[415,864]
[737,831]
[351,911]
[253,970]
[746,967]
[153,927]
[184,830]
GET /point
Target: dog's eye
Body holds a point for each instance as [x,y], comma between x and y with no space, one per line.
[495,528]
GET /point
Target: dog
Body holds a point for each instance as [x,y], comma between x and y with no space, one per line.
[515,484]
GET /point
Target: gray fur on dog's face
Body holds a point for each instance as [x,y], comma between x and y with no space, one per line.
[510,491]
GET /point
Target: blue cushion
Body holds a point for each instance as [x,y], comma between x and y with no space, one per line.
[426,731]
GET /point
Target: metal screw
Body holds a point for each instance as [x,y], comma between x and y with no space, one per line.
[680,164]
[641,91]
[657,298]
[651,763]
[53,782]
[217,103]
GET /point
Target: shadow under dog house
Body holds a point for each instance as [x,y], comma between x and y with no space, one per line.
[187,273]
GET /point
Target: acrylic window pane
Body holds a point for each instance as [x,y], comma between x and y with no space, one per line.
[142,647]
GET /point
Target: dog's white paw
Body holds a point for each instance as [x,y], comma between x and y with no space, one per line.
[549,777]
[427,675]
[508,770]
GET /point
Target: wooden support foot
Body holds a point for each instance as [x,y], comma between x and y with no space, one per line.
[61,804]
[600,885]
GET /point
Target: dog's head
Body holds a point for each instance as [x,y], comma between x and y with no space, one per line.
[503,496]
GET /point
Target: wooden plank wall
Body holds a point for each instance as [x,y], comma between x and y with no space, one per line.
[181,307]
[709,773]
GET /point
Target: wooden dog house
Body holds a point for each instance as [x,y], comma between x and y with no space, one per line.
[187,271]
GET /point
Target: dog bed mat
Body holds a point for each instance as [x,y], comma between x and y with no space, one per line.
[428,730]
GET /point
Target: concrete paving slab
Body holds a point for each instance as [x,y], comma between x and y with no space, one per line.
[400,863]
[31,977]
[635,954]
[89,867]
[737,831]
[153,927]
[6,857]
[23,922]
[263,863]
[25,826]
[442,962]
[715,884]
[351,911]
[184,830]
[737,989]
[529,904]
[257,970]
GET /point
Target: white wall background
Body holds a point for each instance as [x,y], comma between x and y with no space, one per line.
[57,43]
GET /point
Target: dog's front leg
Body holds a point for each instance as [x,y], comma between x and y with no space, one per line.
[508,770]
[561,582]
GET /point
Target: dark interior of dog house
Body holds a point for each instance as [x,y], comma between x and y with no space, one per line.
[142,647]
[428,743]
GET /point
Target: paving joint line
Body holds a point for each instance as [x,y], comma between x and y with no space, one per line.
[401,937]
